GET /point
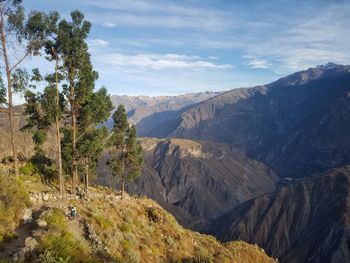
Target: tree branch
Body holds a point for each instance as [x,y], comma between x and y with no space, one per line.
[19,61]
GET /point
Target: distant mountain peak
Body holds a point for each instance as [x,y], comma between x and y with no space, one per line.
[329,65]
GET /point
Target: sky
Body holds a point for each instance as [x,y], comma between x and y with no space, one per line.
[163,47]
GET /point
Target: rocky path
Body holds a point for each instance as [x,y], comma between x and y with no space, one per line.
[33,227]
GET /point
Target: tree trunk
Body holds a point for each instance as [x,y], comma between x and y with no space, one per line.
[123,174]
[74,147]
[58,137]
[9,94]
[86,177]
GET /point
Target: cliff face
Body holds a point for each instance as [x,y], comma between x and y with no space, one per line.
[195,179]
[307,221]
[297,125]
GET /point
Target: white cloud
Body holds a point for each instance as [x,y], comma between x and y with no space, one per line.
[109,24]
[160,62]
[98,42]
[258,63]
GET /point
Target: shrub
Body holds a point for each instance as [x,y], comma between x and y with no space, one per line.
[153,214]
[27,169]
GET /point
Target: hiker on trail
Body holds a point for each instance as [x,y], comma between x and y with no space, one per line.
[72,212]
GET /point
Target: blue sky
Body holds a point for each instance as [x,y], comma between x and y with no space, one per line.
[161,47]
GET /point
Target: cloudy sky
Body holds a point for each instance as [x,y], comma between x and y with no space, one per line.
[163,47]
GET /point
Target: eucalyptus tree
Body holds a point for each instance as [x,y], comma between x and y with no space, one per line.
[20,37]
[79,74]
[91,140]
[126,154]
[52,50]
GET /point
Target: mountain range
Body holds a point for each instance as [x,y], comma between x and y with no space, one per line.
[268,164]
[293,135]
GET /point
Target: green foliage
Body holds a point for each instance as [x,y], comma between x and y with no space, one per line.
[27,170]
[39,137]
[55,220]
[127,159]
[13,199]
[20,80]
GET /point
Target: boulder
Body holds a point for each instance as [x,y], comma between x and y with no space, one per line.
[30,244]
[41,223]
[27,215]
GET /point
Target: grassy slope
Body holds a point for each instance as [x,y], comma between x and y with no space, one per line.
[133,230]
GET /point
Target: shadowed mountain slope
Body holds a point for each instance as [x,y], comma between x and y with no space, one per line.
[307,221]
[297,125]
[154,115]
[195,179]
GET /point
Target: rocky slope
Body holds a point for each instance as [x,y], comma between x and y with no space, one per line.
[108,229]
[195,179]
[297,125]
[307,221]
[154,115]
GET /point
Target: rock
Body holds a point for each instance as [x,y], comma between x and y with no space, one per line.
[27,215]
[30,244]
[45,197]
[37,233]
[41,223]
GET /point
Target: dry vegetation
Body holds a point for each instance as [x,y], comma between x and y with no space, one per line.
[133,230]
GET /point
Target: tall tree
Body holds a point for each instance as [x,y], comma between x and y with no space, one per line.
[71,36]
[126,155]
[91,140]
[52,48]
[15,28]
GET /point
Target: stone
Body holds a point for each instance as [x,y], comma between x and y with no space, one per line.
[37,233]
[30,244]
[41,223]
[27,215]
[46,197]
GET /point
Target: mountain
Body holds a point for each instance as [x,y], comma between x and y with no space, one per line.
[195,180]
[297,125]
[307,221]
[154,115]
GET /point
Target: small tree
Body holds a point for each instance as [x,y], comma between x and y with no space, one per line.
[126,155]
[41,113]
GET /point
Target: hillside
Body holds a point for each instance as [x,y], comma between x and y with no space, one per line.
[107,229]
[23,140]
[307,221]
[297,125]
[194,179]
[154,115]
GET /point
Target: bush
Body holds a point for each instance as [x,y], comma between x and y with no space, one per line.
[13,200]
[27,169]
[153,214]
